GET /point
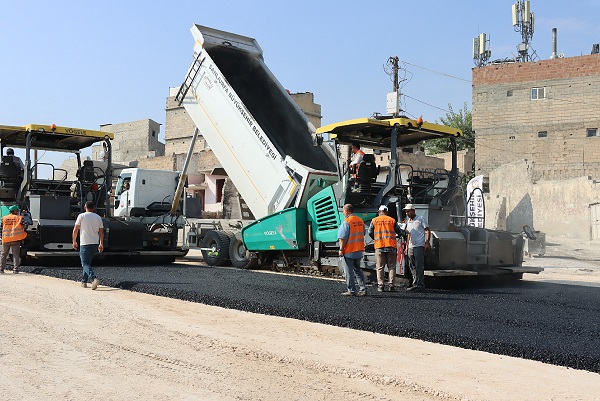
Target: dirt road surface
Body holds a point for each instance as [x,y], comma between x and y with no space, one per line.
[61,341]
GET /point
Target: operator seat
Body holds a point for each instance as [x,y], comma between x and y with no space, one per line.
[9,178]
[366,174]
[86,172]
[367,169]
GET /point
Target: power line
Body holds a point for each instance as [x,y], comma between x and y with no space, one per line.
[430,105]
[437,72]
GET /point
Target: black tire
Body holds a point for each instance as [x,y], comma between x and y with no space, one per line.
[239,254]
[219,254]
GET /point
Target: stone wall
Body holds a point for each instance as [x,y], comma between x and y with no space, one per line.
[158,163]
[465,159]
[557,207]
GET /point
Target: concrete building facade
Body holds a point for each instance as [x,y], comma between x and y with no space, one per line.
[312,110]
[134,141]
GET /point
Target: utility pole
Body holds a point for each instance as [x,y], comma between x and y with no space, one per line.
[394,97]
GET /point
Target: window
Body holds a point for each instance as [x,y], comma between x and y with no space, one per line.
[538,93]
[592,132]
[509,93]
[542,134]
[511,137]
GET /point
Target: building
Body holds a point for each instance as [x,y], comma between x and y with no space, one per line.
[133,141]
[537,139]
[545,112]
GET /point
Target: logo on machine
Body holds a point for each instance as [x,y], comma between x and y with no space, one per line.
[74,131]
[270,232]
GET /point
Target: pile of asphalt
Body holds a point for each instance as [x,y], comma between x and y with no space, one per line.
[551,323]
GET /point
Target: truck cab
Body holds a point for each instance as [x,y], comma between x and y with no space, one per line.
[144,192]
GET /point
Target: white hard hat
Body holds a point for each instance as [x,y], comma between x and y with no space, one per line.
[383,208]
[408,206]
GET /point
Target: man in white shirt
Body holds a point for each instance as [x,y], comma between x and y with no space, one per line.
[357,156]
[91,229]
[418,243]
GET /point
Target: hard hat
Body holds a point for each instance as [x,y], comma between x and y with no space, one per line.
[13,208]
[408,206]
[383,208]
[10,151]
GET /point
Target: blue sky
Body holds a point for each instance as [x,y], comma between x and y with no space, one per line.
[84,63]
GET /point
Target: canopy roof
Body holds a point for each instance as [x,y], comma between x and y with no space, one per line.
[53,137]
[376,133]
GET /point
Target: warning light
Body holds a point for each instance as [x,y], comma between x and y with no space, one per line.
[53,127]
[420,121]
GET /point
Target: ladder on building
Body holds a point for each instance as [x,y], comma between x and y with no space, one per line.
[192,73]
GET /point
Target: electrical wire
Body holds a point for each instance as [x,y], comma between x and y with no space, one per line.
[428,104]
[437,72]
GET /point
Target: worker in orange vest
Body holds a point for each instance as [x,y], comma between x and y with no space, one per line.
[351,235]
[383,230]
[13,232]
[357,158]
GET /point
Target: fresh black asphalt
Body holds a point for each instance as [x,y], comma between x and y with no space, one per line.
[552,323]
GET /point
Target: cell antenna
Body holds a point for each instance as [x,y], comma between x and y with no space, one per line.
[481,52]
[523,21]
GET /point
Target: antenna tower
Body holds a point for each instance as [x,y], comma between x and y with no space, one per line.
[523,21]
[481,52]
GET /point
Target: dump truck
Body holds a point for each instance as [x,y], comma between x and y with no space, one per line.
[294,182]
[55,201]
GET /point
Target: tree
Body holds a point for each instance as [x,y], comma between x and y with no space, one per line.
[462,120]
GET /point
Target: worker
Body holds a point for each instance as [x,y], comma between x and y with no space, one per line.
[383,230]
[351,235]
[13,232]
[91,241]
[17,160]
[419,234]
[357,157]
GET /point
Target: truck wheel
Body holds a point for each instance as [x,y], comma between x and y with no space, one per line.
[239,254]
[217,243]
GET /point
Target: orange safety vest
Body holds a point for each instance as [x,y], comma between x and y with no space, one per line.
[385,236]
[355,169]
[356,238]
[12,228]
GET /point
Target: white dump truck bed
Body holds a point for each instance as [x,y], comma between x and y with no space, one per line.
[261,137]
